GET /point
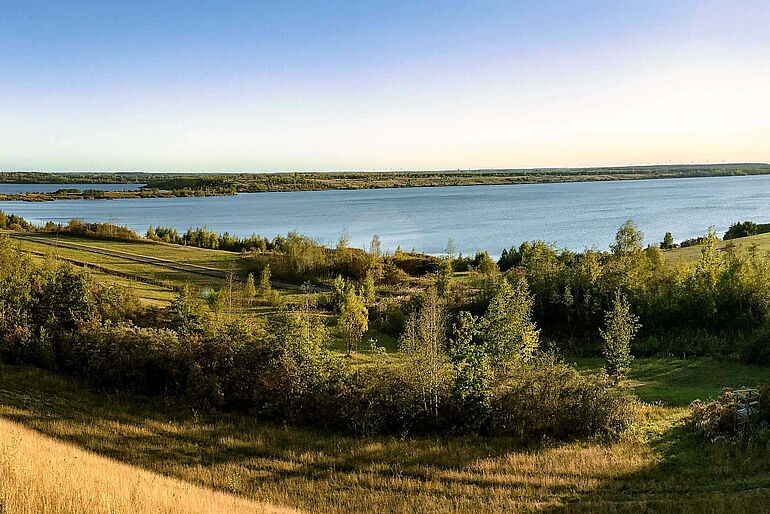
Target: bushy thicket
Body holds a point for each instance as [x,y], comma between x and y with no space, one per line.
[93,230]
[553,399]
[278,369]
[13,222]
[690,308]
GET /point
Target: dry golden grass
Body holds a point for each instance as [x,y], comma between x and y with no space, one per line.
[41,475]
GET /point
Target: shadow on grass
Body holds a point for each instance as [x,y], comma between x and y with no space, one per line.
[687,475]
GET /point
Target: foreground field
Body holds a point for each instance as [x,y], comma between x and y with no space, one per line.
[657,466]
[39,474]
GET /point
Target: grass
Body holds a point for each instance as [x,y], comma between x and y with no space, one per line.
[678,382]
[39,474]
[152,271]
[759,243]
[655,467]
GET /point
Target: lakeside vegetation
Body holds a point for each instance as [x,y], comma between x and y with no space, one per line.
[448,378]
[166,185]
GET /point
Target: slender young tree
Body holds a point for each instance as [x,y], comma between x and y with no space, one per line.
[423,345]
[620,327]
[353,320]
[249,290]
[628,239]
[264,281]
[444,276]
[369,290]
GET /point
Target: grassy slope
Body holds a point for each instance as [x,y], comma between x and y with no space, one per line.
[762,242]
[39,474]
[678,382]
[656,466]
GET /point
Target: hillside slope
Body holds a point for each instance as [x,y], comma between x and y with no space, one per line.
[39,474]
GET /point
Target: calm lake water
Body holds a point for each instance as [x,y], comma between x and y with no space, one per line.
[572,215]
[50,188]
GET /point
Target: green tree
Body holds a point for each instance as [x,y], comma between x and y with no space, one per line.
[151,233]
[250,290]
[353,320]
[473,374]
[338,293]
[668,242]
[444,276]
[620,327]
[423,345]
[369,290]
[507,326]
[264,281]
[628,239]
[186,317]
[486,265]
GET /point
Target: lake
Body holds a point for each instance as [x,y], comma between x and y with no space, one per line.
[51,188]
[572,215]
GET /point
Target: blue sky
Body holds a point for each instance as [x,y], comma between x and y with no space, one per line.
[259,86]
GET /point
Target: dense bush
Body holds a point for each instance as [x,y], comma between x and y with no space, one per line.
[718,419]
[757,349]
[714,420]
[14,222]
[548,398]
[93,230]
[745,229]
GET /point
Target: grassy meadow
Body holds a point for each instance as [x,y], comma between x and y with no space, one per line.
[657,466]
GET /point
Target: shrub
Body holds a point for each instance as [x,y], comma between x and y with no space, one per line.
[715,419]
[142,360]
[757,349]
[548,398]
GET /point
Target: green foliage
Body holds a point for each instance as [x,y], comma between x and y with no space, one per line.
[185,313]
[368,290]
[264,281]
[757,349]
[249,289]
[444,276]
[278,369]
[507,327]
[105,231]
[628,240]
[353,320]
[14,222]
[620,326]
[423,346]
[471,390]
[668,242]
[338,293]
[549,398]
[745,229]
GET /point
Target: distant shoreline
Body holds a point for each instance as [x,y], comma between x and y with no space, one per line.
[170,185]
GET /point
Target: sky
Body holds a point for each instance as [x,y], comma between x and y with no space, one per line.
[231,86]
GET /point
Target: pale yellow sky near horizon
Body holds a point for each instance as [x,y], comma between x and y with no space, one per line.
[542,86]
